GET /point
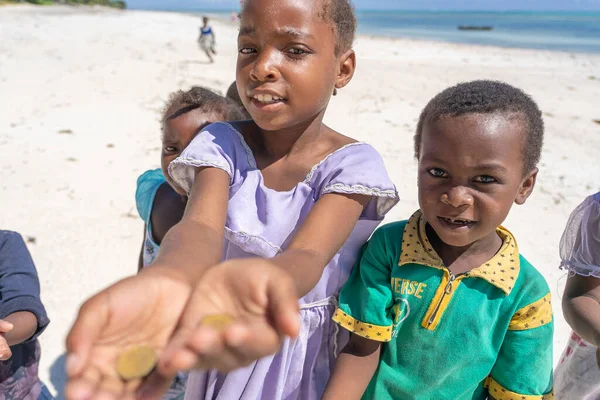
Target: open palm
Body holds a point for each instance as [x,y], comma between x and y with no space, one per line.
[142,310]
[259,296]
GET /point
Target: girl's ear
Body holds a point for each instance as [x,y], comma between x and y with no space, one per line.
[526,187]
[346,68]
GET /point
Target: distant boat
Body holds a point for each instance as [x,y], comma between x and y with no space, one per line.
[474,28]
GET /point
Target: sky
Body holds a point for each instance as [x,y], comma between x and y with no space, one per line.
[546,5]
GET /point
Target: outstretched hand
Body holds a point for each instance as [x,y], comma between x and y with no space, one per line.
[259,296]
[142,310]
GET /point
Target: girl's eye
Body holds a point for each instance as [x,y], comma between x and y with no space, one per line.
[170,149]
[485,179]
[437,172]
[297,51]
[247,50]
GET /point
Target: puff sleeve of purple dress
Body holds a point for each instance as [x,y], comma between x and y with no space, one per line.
[262,222]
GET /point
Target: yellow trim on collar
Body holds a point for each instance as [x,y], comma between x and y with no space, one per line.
[501,393]
[502,270]
[534,315]
[368,331]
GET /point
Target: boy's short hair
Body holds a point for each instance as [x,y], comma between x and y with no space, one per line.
[203,99]
[488,97]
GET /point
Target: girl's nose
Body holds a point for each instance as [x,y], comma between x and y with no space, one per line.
[265,68]
[457,196]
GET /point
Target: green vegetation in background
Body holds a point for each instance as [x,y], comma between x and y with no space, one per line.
[108,3]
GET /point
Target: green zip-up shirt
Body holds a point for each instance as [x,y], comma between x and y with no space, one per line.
[446,337]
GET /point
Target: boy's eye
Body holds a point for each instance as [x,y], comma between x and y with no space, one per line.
[485,179]
[437,172]
[171,149]
[247,50]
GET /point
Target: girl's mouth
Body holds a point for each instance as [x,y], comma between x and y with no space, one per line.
[267,99]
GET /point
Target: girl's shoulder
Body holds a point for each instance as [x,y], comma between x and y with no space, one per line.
[355,168]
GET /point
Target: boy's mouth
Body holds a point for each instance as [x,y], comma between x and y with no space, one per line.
[457,222]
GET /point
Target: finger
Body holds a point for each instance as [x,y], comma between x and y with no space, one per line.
[202,343]
[5,352]
[93,315]
[84,387]
[110,388]
[283,306]
[5,326]
[166,364]
[253,341]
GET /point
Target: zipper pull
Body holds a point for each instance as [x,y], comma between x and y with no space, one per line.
[448,289]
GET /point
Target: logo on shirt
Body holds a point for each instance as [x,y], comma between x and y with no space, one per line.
[401,311]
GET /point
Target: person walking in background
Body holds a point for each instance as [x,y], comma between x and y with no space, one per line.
[207,39]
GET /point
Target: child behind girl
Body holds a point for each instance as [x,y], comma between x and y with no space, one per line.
[284,187]
[159,201]
[577,375]
[443,306]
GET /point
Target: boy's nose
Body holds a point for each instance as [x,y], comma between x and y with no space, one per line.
[457,196]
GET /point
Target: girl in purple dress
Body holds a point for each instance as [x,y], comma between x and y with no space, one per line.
[278,209]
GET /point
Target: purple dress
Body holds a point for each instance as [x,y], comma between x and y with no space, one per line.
[262,221]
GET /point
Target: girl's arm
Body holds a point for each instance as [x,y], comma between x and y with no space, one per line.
[325,230]
[581,307]
[261,294]
[196,242]
[354,368]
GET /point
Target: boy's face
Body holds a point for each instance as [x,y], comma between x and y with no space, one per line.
[470,173]
[178,134]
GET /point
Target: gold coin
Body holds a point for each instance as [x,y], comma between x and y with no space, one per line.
[217,321]
[136,362]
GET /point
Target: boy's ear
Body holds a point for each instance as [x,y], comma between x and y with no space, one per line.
[347,66]
[526,187]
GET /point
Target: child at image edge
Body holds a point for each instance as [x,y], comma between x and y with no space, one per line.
[443,306]
[577,375]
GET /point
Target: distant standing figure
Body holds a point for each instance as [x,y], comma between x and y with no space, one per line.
[207,39]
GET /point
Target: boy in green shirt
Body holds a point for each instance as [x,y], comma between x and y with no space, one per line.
[443,306]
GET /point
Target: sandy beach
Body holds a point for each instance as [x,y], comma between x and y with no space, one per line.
[81,90]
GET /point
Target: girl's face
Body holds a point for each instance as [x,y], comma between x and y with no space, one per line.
[178,134]
[287,67]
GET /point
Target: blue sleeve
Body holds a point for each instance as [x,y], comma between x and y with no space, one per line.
[19,284]
[147,186]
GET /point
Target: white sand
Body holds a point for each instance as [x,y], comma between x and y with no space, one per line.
[104,75]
